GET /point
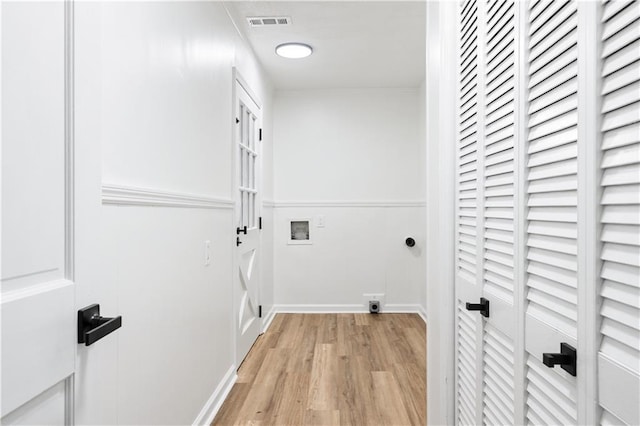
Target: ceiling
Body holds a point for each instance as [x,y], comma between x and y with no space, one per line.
[356,43]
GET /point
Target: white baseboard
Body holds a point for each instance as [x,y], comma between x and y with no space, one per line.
[211,408]
[390,308]
[268,319]
[423,313]
[397,308]
[318,309]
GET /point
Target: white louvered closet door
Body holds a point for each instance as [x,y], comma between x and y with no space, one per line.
[499,211]
[619,351]
[468,229]
[552,209]
[548,211]
[486,212]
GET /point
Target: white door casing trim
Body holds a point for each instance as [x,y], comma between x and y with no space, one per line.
[441,136]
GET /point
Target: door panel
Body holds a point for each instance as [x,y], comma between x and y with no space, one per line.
[38,291]
[38,341]
[499,160]
[487,174]
[468,225]
[48,408]
[551,399]
[499,228]
[499,392]
[466,366]
[551,283]
[247,280]
[619,351]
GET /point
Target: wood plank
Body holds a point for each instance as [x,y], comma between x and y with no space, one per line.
[315,417]
[323,389]
[332,369]
[292,407]
[387,394]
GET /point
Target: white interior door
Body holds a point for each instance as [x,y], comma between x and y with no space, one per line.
[38,288]
[248,221]
[51,219]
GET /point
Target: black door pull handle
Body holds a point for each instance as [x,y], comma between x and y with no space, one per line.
[566,359]
[243,230]
[92,327]
[483,307]
[238,242]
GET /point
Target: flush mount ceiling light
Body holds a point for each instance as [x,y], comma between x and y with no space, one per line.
[294,50]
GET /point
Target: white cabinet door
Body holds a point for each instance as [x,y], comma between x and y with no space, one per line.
[248,221]
[619,351]
[38,288]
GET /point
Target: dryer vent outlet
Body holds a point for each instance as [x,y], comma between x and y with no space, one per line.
[374,306]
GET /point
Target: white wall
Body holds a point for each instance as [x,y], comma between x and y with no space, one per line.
[158,110]
[353,157]
[346,145]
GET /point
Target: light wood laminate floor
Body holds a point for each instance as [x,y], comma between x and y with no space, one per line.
[333,369]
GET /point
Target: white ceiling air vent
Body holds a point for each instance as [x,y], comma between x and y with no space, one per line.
[268,21]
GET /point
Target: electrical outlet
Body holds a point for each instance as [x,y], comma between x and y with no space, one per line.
[207,253]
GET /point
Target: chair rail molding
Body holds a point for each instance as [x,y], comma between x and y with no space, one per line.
[349,203]
[135,196]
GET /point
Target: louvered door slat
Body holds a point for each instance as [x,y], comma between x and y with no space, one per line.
[620,236]
[539,12]
[552,168]
[498,378]
[550,398]
[466,366]
[499,164]
[614,8]
[554,41]
[618,22]
[608,419]
[562,13]
[467,138]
